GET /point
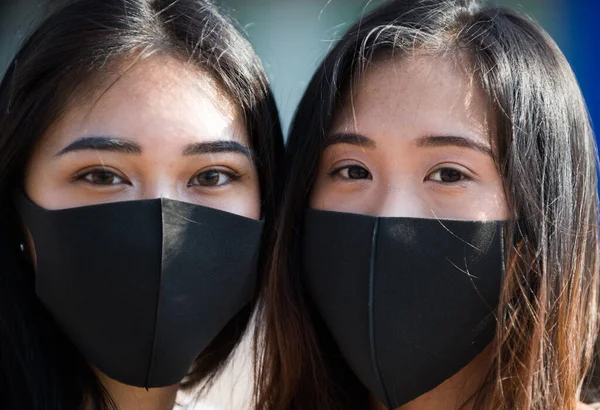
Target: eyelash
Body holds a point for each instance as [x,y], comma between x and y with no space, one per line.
[83,177]
[336,173]
[463,176]
[231,175]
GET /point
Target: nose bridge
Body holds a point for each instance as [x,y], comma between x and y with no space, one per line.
[401,200]
[161,186]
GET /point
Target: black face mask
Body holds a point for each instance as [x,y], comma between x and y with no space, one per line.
[142,287]
[408,301]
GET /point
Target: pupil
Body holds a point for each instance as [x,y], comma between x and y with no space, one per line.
[357,173]
[449,175]
[210,178]
[103,177]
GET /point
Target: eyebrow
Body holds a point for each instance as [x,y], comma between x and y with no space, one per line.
[111,144]
[430,141]
[352,139]
[124,146]
[450,140]
[215,147]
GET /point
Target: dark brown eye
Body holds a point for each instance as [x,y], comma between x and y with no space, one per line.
[355,172]
[211,178]
[446,175]
[450,175]
[102,177]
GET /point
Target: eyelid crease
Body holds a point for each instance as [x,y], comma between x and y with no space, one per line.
[102,168]
[218,168]
[81,177]
[464,170]
[336,174]
[231,175]
[464,177]
[341,164]
[228,172]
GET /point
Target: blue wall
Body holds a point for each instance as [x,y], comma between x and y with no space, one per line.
[583,52]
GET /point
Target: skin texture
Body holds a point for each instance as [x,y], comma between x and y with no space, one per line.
[163,106]
[428,155]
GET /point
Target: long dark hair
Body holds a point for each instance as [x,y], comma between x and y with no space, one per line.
[546,156]
[74,48]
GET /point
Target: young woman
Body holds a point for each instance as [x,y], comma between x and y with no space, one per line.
[438,242]
[139,142]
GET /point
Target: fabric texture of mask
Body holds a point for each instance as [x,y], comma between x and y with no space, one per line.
[408,301]
[142,287]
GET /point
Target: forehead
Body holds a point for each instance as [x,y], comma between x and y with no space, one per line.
[158,97]
[415,95]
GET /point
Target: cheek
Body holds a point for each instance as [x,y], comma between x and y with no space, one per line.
[39,184]
[490,202]
[315,199]
[497,204]
[328,197]
[244,201]
[248,205]
[321,197]
[481,203]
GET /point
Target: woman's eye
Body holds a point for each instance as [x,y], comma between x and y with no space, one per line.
[212,178]
[101,177]
[354,172]
[446,175]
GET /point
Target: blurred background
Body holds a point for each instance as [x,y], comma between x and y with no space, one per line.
[292,36]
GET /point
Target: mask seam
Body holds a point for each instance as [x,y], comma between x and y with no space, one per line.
[374,361]
[162,251]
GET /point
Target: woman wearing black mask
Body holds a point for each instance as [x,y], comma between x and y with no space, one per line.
[438,242]
[138,147]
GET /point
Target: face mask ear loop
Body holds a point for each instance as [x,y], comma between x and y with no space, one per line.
[374,361]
